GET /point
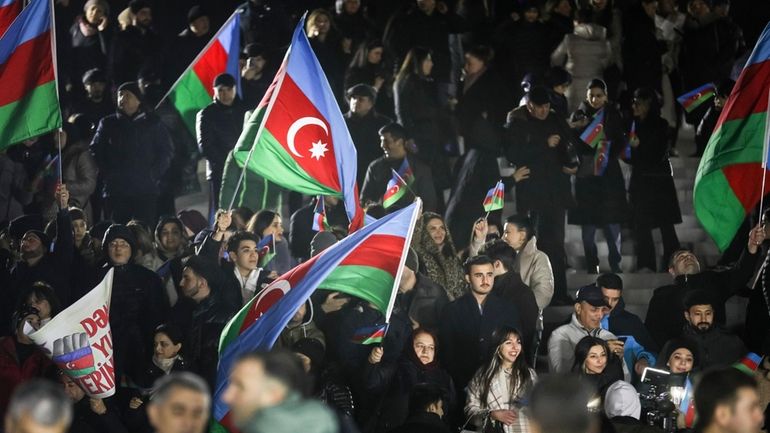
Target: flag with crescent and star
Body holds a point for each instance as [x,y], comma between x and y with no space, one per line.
[375,254]
[398,184]
[297,136]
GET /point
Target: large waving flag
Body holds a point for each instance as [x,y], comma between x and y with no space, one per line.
[29,104]
[9,10]
[728,184]
[297,137]
[366,264]
[194,89]
[594,132]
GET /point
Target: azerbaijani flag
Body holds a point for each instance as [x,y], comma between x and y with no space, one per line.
[266,250]
[728,183]
[370,334]
[375,254]
[495,198]
[29,104]
[602,157]
[594,132]
[297,137]
[749,363]
[194,89]
[398,184]
[687,405]
[694,98]
[9,10]
[320,223]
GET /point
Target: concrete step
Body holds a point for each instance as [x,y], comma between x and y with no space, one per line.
[631,281]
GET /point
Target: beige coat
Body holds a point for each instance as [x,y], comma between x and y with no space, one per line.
[535,269]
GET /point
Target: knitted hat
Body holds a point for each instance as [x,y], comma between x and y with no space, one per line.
[321,241]
[196,12]
[44,239]
[538,95]
[225,80]
[678,343]
[133,87]
[621,399]
[94,75]
[77,214]
[25,223]
[119,231]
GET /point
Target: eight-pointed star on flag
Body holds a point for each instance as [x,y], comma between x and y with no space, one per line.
[318,150]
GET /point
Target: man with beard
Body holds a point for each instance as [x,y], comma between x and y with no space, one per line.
[95,103]
[718,347]
[664,318]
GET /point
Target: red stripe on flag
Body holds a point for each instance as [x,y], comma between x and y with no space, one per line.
[8,13]
[378,251]
[291,104]
[744,180]
[28,67]
[749,95]
[211,64]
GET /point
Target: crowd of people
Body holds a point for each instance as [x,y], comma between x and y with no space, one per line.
[461,93]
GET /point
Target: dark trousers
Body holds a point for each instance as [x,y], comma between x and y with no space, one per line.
[121,209]
[549,223]
[645,246]
[612,234]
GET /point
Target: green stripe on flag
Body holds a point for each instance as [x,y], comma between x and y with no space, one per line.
[233,328]
[188,97]
[368,283]
[717,208]
[735,142]
[33,115]
[81,372]
[273,162]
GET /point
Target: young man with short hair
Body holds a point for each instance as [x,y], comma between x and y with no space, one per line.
[727,401]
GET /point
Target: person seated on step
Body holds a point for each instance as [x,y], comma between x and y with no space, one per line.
[664,319]
[717,346]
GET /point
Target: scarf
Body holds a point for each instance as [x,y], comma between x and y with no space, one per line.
[164,364]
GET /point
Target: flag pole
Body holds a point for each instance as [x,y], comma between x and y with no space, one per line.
[407,242]
[200,54]
[55,64]
[764,161]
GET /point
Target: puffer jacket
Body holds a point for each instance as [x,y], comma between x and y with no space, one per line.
[585,54]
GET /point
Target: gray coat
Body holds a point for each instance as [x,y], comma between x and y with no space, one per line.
[585,54]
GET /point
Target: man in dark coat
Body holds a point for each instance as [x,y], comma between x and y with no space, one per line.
[187,44]
[255,75]
[137,47]
[393,142]
[95,104]
[364,124]
[508,285]
[132,150]
[467,323]
[203,313]
[138,304]
[619,321]
[427,24]
[717,346]
[664,319]
[538,139]
[38,263]
[218,127]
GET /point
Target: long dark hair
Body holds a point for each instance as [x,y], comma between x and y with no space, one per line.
[361,56]
[583,347]
[521,378]
[413,63]
[42,291]
[260,221]
[448,249]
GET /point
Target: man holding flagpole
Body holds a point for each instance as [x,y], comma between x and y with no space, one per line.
[393,143]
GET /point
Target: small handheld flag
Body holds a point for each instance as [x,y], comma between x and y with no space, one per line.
[594,132]
[320,224]
[370,334]
[602,158]
[694,98]
[266,250]
[749,363]
[398,184]
[495,198]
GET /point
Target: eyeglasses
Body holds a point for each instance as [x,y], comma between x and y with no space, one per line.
[119,244]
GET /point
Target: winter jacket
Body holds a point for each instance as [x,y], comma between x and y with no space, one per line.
[622,322]
[151,372]
[293,414]
[418,109]
[424,302]
[665,317]
[651,190]
[137,306]
[364,130]
[534,268]
[132,153]
[12,373]
[465,333]
[79,173]
[379,174]
[526,144]
[392,384]
[585,54]
[217,129]
[561,345]
[601,200]
[292,334]
[88,51]
[509,286]
[717,346]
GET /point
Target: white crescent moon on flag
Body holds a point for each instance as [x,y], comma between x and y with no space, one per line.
[299,124]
